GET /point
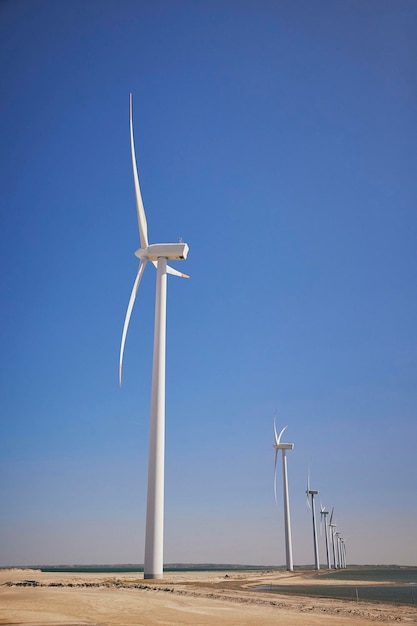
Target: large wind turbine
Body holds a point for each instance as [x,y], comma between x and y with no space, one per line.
[287,521]
[157,254]
[312,493]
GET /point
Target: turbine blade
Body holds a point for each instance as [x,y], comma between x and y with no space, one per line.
[331,515]
[275,476]
[280,434]
[129,313]
[143,227]
[275,434]
[308,489]
[171,270]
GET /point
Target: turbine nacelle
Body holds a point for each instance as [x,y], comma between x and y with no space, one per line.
[170,251]
[284,446]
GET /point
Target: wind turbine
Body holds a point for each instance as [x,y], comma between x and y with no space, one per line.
[341,551]
[339,555]
[323,516]
[157,254]
[287,521]
[332,528]
[344,553]
[342,557]
[312,493]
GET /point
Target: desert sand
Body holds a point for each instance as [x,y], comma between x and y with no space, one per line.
[30,597]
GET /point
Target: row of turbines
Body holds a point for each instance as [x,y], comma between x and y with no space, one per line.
[335,544]
[158,254]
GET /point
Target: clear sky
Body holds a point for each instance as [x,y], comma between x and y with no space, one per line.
[278,139]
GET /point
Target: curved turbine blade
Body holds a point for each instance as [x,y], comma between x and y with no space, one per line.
[278,437]
[129,313]
[308,489]
[275,476]
[275,434]
[331,515]
[280,434]
[171,270]
[143,227]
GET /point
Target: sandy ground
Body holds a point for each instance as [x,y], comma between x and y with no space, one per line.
[30,597]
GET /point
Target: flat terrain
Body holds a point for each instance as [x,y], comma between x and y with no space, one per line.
[30,597]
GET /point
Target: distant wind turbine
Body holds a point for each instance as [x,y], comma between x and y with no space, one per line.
[310,494]
[323,519]
[339,556]
[344,553]
[332,528]
[341,551]
[287,521]
[157,254]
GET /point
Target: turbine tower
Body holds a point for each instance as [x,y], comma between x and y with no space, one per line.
[313,492]
[287,521]
[323,516]
[157,254]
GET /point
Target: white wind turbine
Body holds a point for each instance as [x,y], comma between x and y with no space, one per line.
[344,553]
[339,556]
[342,560]
[332,529]
[312,493]
[341,551]
[323,515]
[287,521]
[157,254]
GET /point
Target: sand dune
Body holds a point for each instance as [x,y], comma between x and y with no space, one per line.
[30,597]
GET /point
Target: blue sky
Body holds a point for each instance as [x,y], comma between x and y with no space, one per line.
[278,139]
